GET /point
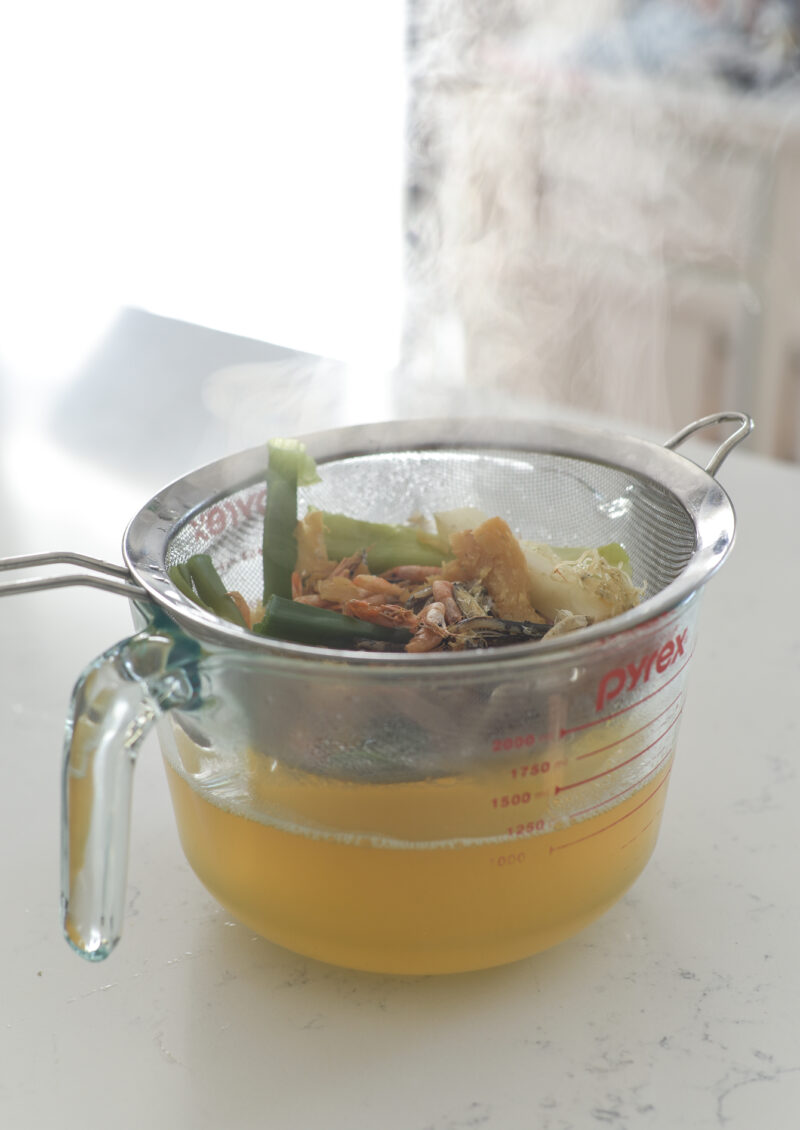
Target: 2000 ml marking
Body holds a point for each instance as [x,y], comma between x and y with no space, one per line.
[540,825]
[611,685]
[518,741]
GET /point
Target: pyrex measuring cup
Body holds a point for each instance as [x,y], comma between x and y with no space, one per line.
[401,813]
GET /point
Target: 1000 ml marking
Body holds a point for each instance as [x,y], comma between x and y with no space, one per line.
[506,860]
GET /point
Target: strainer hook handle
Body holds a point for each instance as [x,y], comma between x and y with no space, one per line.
[744,421]
[98,574]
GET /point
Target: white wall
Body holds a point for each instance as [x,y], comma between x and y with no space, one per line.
[237,164]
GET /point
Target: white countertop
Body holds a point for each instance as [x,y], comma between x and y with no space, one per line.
[678,1008]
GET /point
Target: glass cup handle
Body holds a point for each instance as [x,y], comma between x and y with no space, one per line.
[115,703]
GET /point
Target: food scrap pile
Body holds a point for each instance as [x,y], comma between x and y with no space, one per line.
[335,581]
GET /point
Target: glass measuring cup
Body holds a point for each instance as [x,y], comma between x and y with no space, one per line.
[394,812]
[436,823]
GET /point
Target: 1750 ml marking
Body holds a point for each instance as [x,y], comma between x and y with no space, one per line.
[534,770]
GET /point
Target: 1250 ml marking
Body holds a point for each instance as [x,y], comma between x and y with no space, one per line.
[525,829]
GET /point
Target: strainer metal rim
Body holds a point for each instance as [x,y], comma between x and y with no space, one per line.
[706,503]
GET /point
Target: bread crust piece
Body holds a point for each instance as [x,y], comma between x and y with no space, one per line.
[491,554]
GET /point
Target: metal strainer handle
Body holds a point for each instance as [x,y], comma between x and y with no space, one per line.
[101,575]
[745,427]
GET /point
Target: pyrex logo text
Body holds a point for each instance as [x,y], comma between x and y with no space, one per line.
[628,678]
[229,512]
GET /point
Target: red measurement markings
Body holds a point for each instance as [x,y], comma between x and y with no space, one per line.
[536,769]
[632,734]
[626,709]
[505,860]
[624,792]
[641,832]
[512,799]
[622,764]
[613,824]
[531,770]
[517,742]
[528,829]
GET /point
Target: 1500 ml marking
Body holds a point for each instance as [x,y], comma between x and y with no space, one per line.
[511,799]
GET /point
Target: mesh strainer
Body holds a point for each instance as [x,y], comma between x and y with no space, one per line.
[565,486]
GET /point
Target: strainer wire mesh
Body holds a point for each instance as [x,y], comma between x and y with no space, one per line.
[559,499]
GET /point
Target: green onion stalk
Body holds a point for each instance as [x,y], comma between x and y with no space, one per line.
[303,623]
[199,580]
[289,466]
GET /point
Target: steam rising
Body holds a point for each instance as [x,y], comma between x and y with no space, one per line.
[582,205]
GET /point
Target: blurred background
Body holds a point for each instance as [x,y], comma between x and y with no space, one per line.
[291,216]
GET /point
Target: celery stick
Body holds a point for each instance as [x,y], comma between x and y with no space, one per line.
[386,545]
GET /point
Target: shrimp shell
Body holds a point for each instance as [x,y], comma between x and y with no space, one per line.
[411,574]
[379,585]
[352,566]
[432,630]
[443,593]
[387,615]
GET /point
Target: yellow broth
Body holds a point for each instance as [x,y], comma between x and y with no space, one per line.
[427,876]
